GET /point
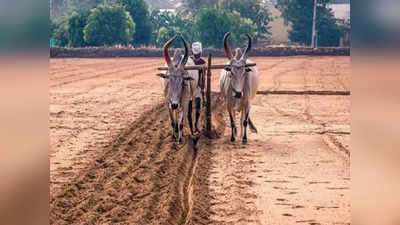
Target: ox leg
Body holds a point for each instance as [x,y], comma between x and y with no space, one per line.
[198,108]
[176,131]
[245,123]
[185,104]
[241,122]
[203,98]
[182,122]
[171,117]
[233,127]
[189,116]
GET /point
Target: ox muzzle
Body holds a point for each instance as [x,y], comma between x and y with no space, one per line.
[174,106]
[237,94]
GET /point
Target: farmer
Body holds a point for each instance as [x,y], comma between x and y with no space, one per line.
[196,57]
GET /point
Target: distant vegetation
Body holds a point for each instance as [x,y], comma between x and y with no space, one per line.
[212,24]
[109,24]
[61,7]
[299,14]
[73,22]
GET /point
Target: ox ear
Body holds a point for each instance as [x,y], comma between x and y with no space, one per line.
[228,69]
[165,76]
[248,70]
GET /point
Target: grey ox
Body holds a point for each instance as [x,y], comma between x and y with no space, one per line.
[239,85]
[180,88]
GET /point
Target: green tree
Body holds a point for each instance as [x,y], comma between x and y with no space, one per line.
[212,24]
[76,24]
[64,8]
[60,34]
[329,31]
[299,14]
[109,24]
[53,28]
[167,24]
[255,10]
[164,34]
[239,27]
[139,11]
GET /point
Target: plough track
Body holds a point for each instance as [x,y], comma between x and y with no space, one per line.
[142,178]
[291,92]
[197,188]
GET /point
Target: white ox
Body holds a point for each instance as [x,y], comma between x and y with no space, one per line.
[180,88]
[239,84]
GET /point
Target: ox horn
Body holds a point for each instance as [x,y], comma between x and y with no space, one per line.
[166,54]
[248,49]
[186,56]
[227,48]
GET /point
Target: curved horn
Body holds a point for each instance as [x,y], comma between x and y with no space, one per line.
[186,56]
[248,49]
[166,54]
[227,48]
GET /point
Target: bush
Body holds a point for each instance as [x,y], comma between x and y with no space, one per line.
[212,24]
[255,10]
[167,25]
[239,27]
[299,14]
[163,36]
[76,24]
[53,28]
[109,24]
[60,34]
[139,12]
[166,33]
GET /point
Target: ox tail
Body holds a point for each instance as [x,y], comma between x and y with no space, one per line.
[252,127]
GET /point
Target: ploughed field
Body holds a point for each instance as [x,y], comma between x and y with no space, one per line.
[112,158]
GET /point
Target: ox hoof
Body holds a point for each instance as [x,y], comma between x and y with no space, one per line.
[244,141]
[232,139]
[180,141]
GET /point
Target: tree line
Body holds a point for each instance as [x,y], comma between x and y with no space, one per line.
[130,22]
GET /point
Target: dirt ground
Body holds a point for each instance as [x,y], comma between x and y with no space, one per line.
[112,160]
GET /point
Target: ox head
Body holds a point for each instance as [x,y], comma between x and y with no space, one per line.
[176,73]
[236,68]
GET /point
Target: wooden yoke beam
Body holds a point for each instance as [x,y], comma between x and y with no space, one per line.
[213,67]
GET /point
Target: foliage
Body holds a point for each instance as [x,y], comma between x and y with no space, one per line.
[60,34]
[299,14]
[109,24]
[212,24]
[158,27]
[53,28]
[76,24]
[139,12]
[167,24]
[329,31]
[164,34]
[255,10]
[204,20]
[239,27]
[63,8]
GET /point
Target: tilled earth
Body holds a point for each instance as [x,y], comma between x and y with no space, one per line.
[113,161]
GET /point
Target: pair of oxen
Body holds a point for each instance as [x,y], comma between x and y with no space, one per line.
[238,84]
